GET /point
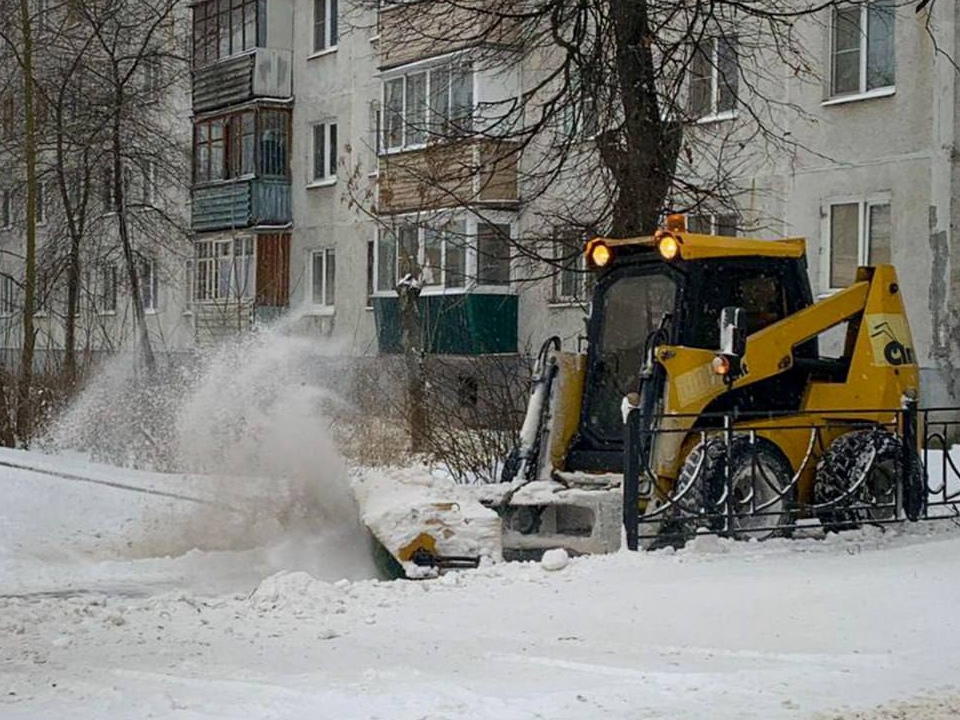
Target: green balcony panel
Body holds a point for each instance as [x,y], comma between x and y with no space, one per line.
[471,324]
[240,204]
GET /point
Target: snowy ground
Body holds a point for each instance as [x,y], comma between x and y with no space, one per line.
[105,613]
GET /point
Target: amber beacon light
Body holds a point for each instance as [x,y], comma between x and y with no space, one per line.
[598,253]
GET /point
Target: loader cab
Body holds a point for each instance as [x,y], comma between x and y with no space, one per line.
[631,298]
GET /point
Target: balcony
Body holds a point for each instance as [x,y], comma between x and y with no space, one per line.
[241,203]
[463,324]
[258,73]
[414,31]
[465,173]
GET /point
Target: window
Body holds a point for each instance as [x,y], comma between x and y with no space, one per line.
[493,254]
[41,204]
[323,276]
[325,31]
[569,276]
[224,269]
[274,143]
[149,285]
[435,103]
[713,224]
[714,78]
[225,147]
[760,292]
[8,295]
[862,47]
[371,268]
[107,289]
[6,209]
[189,283]
[222,28]
[386,261]
[440,252]
[860,234]
[325,151]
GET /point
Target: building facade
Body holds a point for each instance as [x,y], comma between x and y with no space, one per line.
[316,186]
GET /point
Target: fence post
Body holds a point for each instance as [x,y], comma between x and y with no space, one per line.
[727,477]
[631,475]
[908,487]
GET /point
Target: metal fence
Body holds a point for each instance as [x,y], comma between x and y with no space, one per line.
[892,468]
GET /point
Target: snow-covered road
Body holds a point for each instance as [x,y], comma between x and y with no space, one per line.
[97,623]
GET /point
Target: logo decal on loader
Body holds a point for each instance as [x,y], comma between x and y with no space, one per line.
[891,340]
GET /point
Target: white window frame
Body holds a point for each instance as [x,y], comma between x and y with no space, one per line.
[450,63]
[864,204]
[331,22]
[239,265]
[471,264]
[324,254]
[715,114]
[329,154]
[149,278]
[861,93]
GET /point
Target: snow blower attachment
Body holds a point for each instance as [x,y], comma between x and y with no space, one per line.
[708,350]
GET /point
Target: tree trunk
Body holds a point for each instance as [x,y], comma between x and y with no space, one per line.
[412,340]
[145,349]
[643,159]
[25,408]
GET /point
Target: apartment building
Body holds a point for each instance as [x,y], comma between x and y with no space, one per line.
[316,186]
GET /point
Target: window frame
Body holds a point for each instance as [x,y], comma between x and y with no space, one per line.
[862,92]
[6,209]
[864,204]
[232,152]
[104,308]
[432,118]
[8,295]
[330,157]
[206,46]
[207,268]
[563,243]
[714,220]
[330,30]
[714,113]
[328,295]
[149,279]
[470,281]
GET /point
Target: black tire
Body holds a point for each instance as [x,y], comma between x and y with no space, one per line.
[758,469]
[862,468]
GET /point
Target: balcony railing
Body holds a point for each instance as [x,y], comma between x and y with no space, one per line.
[241,203]
[463,324]
[258,73]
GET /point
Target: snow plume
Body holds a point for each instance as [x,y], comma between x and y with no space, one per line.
[246,423]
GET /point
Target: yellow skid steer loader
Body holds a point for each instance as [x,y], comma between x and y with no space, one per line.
[704,400]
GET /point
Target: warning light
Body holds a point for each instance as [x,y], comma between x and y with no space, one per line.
[598,253]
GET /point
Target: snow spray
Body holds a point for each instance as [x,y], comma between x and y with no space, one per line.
[245,422]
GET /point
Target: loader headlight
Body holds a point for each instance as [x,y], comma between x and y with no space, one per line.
[598,253]
[668,246]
